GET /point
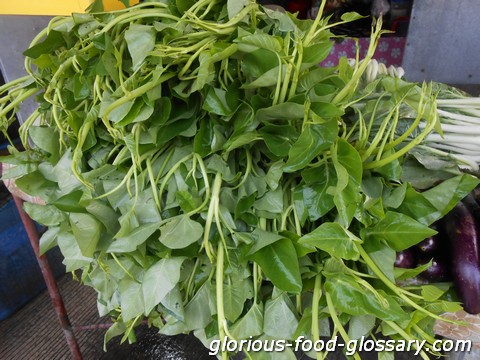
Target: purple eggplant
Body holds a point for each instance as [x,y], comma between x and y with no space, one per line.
[405,259]
[476,194]
[432,245]
[472,205]
[429,246]
[437,272]
[462,231]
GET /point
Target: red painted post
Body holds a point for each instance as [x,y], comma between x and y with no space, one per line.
[50,281]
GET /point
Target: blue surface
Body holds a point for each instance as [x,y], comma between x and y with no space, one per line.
[20,276]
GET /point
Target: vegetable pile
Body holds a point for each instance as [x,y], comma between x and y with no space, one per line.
[203,172]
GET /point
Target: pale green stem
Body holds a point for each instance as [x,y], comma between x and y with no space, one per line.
[338,324]
[221,320]
[317,294]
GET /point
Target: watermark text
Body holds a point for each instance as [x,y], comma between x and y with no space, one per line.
[351,347]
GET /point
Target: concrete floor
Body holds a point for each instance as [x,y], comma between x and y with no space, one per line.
[33,333]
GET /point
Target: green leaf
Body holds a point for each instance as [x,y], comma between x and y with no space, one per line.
[262,41]
[130,242]
[251,324]
[386,355]
[235,6]
[205,73]
[348,166]
[241,140]
[73,257]
[70,202]
[417,206]
[393,198]
[315,54]
[281,319]
[351,16]
[216,164]
[160,279]
[360,325]
[274,175]
[299,202]
[163,109]
[391,171]
[244,205]
[278,138]
[187,201]
[316,197]
[118,328]
[25,176]
[48,239]
[184,5]
[145,208]
[173,304]
[47,215]
[325,110]
[334,239]
[279,262]
[62,174]
[372,186]
[52,42]
[432,292]
[216,102]
[258,62]
[382,255]
[286,353]
[447,194]
[301,248]
[137,112]
[419,176]
[180,232]
[283,20]
[269,78]
[399,231]
[404,274]
[305,325]
[350,297]
[81,86]
[333,265]
[197,315]
[105,214]
[45,138]
[236,291]
[261,238]
[312,141]
[283,111]
[131,299]
[316,78]
[87,231]
[204,138]
[140,41]
[271,201]
[199,311]
[170,131]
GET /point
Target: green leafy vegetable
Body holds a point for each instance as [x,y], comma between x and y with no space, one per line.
[204,173]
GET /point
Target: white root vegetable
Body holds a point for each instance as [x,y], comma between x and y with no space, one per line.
[459,121]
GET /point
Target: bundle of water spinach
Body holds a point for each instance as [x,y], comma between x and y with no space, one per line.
[203,172]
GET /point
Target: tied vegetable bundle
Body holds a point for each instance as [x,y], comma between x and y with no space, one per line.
[203,172]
